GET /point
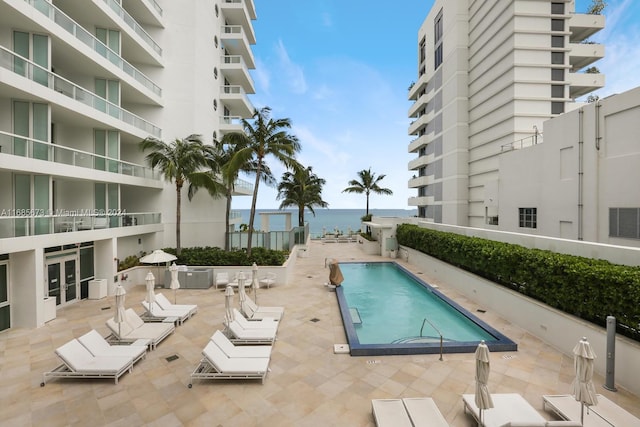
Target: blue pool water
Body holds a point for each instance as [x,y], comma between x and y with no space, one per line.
[384,308]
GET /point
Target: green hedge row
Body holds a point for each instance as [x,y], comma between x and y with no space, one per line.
[588,288]
[215,256]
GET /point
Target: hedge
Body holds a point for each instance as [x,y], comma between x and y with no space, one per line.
[591,289]
[216,256]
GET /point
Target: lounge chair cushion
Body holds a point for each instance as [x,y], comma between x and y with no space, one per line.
[543,424]
[133,319]
[121,330]
[251,334]
[235,365]
[80,360]
[266,323]
[165,304]
[232,350]
[98,346]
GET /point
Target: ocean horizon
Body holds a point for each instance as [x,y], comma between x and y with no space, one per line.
[325,220]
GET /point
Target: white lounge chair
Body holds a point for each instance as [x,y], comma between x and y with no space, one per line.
[266,323]
[232,350]
[508,408]
[414,412]
[604,413]
[165,304]
[217,365]
[134,328]
[254,312]
[80,363]
[222,279]
[155,313]
[240,335]
[268,280]
[98,346]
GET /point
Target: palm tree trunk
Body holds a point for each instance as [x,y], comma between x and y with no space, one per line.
[301,216]
[252,215]
[178,201]
[226,230]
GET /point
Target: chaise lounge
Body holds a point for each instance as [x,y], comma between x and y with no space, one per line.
[155,313]
[254,312]
[604,413]
[266,323]
[165,304]
[410,412]
[134,328]
[239,335]
[98,346]
[217,365]
[78,362]
[232,350]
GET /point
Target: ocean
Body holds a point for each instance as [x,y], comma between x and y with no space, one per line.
[325,219]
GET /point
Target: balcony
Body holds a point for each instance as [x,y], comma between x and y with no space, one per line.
[242,188]
[235,71]
[420,181]
[33,149]
[34,73]
[145,11]
[230,124]
[582,26]
[583,83]
[418,87]
[584,54]
[133,25]
[418,124]
[418,105]
[240,12]
[419,162]
[418,143]
[235,42]
[420,201]
[236,100]
[76,30]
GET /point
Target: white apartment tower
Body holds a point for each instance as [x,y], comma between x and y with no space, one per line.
[489,74]
[82,82]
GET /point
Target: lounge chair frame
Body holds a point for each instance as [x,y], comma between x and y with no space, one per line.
[207,369]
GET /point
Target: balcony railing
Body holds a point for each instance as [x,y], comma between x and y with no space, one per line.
[40,75]
[133,24]
[241,184]
[35,222]
[156,6]
[73,28]
[41,150]
[528,141]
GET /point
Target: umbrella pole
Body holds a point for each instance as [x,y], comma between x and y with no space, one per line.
[582,413]
[174,296]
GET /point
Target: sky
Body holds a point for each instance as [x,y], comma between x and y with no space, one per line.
[340,71]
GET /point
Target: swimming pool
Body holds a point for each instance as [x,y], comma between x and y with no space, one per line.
[384,307]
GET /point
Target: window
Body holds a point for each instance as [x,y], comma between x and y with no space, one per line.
[437,40]
[557,91]
[557,107]
[557,41]
[557,57]
[557,8]
[528,217]
[557,74]
[557,25]
[624,222]
[422,48]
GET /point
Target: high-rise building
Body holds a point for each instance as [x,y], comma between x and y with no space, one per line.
[489,74]
[81,84]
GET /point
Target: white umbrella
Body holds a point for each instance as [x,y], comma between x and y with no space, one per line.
[158,257]
[120,316]
[175,284]
[254,281]
[483,397]
[150,280]
[241,290]
[583,388]
[228,305]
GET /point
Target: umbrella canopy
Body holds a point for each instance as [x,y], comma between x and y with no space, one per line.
[483,397]
[254,281]
[583,389]
[157,257]
[241,290]
[228,304]
[150,281]
[175,284]
[335,274]
[119,316]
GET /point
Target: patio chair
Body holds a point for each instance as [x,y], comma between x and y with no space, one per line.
[232,350]
[510,410]
[604,413]
[134,328]
[254,312]
[268,280]
[222,279]
[78,362]
[217,365]
[266,323]
[98,346]
[165,304]
[155,313]
[415,412]
[239,335]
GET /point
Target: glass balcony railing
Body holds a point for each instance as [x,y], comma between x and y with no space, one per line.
[156,6]
[35,222]
[34,149]
[73,28]
[133,24]
[233,90]
[241,184]
[22,66]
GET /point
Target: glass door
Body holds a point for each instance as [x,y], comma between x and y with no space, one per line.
[53,281]
[62,280]
[70,283]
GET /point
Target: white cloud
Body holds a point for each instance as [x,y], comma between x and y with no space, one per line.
[262,77]
[292,73]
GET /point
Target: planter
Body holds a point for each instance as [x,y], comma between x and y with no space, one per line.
[369,247]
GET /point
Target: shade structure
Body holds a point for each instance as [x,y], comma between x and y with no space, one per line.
[335,274]
[175,284]
[150,281]
[241,290]
[254,281]
[583,389]
[228,305]
[483,397]
[158,257]
[119,316]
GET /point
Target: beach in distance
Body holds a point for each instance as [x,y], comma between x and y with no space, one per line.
[326,220]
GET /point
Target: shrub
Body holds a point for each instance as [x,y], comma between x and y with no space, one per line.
[215,256]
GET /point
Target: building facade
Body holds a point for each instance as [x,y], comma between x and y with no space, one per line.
[81,84]
[489,74]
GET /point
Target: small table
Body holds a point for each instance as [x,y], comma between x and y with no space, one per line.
[173,320]
[142,342]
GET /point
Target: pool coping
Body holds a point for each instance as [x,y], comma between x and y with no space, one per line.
[502,342]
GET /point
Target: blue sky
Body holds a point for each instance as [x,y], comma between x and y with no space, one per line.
[340,70]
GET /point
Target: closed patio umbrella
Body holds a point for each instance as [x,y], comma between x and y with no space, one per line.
[483,397]
[150,281]
[119,316]
[583,389]
[228,305]
[254,281]
[175,284]
[241,291]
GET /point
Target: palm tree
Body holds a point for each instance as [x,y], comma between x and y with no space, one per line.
[177,161]
[302,189]
[263,137]
[367,184]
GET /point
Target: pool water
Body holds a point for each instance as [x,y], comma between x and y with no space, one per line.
[388,310]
